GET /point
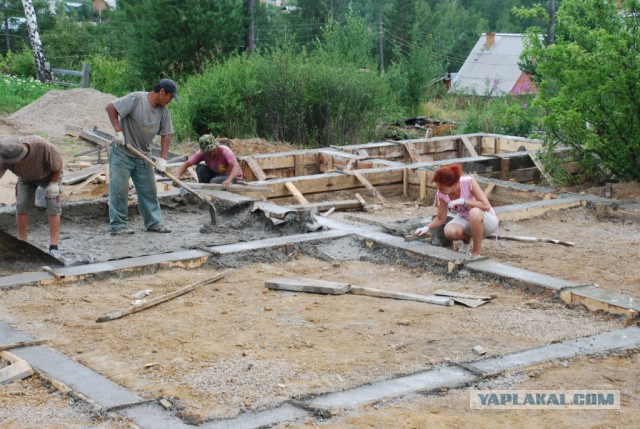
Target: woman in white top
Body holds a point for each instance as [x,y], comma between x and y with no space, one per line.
[474,219]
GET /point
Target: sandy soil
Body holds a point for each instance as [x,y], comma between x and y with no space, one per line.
[234,346]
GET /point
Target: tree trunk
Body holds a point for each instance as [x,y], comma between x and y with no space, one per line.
[36,43]
[250,38]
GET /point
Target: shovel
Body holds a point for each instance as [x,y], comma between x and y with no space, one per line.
[212,209]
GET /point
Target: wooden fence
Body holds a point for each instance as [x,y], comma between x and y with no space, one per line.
[85,75]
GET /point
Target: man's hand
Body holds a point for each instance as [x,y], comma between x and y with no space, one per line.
[119,138]
[52,191]
[457,205]
[161,165]
[421,231]
[226,183]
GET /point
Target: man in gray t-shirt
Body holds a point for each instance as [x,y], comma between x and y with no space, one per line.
[137,118]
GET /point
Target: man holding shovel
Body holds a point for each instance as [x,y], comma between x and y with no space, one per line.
[37,164]
[137,118]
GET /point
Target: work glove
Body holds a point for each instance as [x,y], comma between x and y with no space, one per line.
[52,191]
[119,138]
[457,205]
[421,231]
[161,165]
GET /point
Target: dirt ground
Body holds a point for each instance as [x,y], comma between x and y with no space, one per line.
[234,346]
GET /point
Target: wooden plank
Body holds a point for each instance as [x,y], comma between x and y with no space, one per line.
[451,294]
[489,189]
[538,164]
[325,205]
[163,298]
[468,302]
[363,153]
[300,284]
[79,176]
[18,370]
[299,165]
[350,164]
[231,187]
[19,344]
[504,168]
[86,182]
[296,193]
[255,168]
[328,212]
[422,175]
[469,146]
[53,272]
[362,201]
[405,182]
[370,187]
[379,293]
[413,153]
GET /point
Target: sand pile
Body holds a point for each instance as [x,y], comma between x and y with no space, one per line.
[83,107]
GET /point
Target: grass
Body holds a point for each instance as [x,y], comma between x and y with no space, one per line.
[17,92]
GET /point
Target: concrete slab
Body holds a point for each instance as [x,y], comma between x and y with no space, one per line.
[518,276]
[374,392]
[609,341]
[8,282]
[537,208]
[78,377]
[274,242]
[263,419]
[596,299]
[153,416]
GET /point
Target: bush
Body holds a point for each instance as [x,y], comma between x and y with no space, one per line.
[20,64]
[285,96]
[17,92]
[110,75]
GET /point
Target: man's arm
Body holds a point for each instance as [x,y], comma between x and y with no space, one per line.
[235,170]
[183,168]
[114,117]
[164,146]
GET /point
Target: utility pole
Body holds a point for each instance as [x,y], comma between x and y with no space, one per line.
[36,44]
[250,38]
[333,16]
[380,36]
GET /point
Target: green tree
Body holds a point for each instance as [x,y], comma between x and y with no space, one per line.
[590,84]
[176,37]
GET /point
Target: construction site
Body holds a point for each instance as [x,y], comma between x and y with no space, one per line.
[304,300]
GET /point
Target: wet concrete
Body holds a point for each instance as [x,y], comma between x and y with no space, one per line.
[85,236]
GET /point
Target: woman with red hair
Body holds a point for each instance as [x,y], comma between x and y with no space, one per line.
[474,217]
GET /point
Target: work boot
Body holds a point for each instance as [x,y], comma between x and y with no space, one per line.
[159,228]
[122,231]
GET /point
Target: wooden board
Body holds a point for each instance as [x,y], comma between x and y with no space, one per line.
[296,193]
[18,369]
[81,175]
[299,284]
[538,164]
[469,146]
[379,293]
[255,168]
[442,292]
[370,187]
[163,298]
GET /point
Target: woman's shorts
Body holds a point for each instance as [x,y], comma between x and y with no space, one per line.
[489,220]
